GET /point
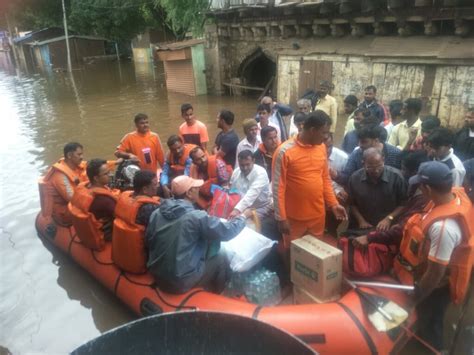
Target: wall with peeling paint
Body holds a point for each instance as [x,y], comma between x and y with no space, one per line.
[446,90]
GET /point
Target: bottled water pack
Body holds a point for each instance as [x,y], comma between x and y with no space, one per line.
[260,286]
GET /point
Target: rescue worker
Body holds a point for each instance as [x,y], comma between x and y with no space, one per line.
[63,178]
[177,163]
[142,146]
[93,204]
[192,130]
[211,169]
[183,242]
[132,214]
[302,187]
[437,249]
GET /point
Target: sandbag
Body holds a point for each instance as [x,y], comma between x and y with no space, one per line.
[246,250]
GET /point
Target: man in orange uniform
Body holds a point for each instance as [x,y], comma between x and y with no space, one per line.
[142,145]
[302,187]
[192,130]
[437,249]
[63,177]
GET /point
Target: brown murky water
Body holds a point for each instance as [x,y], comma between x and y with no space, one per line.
[48,304]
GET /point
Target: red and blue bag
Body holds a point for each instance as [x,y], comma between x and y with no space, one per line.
[223,202]
[374,260]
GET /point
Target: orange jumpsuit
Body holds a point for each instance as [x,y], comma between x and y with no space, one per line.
[302,188]
[142,144]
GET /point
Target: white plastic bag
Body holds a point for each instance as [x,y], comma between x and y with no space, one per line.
[246,250]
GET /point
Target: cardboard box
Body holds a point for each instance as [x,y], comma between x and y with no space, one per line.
[301,296]
[316,267]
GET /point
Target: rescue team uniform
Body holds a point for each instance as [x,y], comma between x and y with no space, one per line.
[57,188]
[302,188]
[175,167]
[128,245]
[217,173]
[147,147]
[443,234]
[89,229]
[195,134]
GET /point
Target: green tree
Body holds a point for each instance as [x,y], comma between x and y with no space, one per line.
[185,15]
[114,19]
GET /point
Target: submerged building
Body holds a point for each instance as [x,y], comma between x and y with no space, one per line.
[407,48]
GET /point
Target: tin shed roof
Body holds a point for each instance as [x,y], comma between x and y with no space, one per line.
[178,45]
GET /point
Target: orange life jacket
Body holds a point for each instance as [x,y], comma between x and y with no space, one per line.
[88,228]
[211,174]
[128,238]
[177,169]
[414,247]
[52,203]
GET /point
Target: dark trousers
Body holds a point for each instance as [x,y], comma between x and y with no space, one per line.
[430,313]
[216,273]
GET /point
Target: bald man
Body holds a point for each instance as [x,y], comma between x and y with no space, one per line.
[377,193]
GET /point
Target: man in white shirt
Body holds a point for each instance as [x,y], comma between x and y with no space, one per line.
[337,160]
[439,147]
[251,181]
[404,134]
[264,111]
[252,138]
[304,106]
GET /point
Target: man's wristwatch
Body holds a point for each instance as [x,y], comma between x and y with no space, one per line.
[390,217]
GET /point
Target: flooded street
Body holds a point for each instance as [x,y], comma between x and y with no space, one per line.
[48,304]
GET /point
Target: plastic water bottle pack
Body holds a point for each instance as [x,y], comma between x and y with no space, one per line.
[260,286]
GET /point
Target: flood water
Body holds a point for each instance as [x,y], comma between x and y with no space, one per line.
[48,304]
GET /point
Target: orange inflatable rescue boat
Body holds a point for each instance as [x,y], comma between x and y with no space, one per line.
[340,327]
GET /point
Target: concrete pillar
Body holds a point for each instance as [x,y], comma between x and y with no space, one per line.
[431,28]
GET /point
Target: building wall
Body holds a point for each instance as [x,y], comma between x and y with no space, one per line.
[79,48]
[142,55]
[88,48]
[199,66]
[445,90]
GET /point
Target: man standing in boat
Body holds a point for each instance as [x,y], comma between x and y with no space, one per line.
[142,145]
[183,242]
[302,187]
[437,249]
[63,177]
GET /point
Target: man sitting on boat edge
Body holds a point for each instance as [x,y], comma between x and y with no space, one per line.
[62,179]
[92,206]
[183,242]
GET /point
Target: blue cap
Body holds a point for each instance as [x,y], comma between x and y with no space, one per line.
[433,173]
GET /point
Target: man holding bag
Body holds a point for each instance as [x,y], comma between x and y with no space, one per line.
[184,242]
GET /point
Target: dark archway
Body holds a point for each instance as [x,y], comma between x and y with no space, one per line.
[257,70]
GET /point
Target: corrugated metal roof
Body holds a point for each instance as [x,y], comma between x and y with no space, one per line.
[178,45]
[370,46]
[60,38]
